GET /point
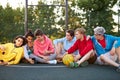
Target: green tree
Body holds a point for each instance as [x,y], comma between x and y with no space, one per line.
[74,16]
[43,17]
[98,13]
[7,24]
[10,23]
[89,14]
[1,22]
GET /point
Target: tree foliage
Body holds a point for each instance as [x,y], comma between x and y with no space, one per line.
[51,19]
[89,14]
[10,23]
[43,17]
[98,13]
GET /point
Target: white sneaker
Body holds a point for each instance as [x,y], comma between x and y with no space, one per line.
[52,62]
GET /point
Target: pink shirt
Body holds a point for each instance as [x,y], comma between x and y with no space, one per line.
[39,47]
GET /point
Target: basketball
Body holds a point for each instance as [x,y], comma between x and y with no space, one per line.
[67,59]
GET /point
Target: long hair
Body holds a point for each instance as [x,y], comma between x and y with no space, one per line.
[23,38]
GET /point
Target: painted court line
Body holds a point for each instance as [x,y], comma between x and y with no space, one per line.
[37,66]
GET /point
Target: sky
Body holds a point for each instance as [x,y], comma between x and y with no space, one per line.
[21,3]
[17,3]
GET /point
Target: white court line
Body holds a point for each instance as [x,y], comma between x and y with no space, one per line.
[36,66]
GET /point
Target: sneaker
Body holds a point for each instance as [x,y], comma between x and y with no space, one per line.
[76,65]
[73,65]
[85,63]
[52,62]
[118,69]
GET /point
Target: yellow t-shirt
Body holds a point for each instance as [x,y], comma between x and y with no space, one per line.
[12,54]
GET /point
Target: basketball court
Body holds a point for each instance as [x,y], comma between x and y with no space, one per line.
[25,71]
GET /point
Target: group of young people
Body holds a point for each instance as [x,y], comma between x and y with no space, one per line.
[100,48]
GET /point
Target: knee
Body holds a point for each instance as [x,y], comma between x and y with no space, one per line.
[102,57]
[91,51]
[59,45]
[117,50]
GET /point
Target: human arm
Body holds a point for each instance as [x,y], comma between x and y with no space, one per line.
[37,52]
[26,56]
[30,61]
[112,51]
[19,55]
[73,48]
[112,42]
[26,52]
[56,41]
[2,47]
[76,57]
[88,37]
[47,52]
[89,46]
[50,49]
[36,49]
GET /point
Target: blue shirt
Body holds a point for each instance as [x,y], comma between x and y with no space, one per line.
[110,42]
[66,44]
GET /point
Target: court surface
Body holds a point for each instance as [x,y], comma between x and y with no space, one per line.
[25,71]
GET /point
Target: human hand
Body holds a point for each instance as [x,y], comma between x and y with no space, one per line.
[31,61]
[2,47]
[88,37]
[65,53]
[112,52]
[46,52]
[6,63]
[76,57]
[46,58]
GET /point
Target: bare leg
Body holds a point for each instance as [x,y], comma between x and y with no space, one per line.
[108,61]
[118,53]
[58,49]
[85,57]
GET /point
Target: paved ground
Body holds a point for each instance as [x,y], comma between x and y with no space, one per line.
[57,72]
